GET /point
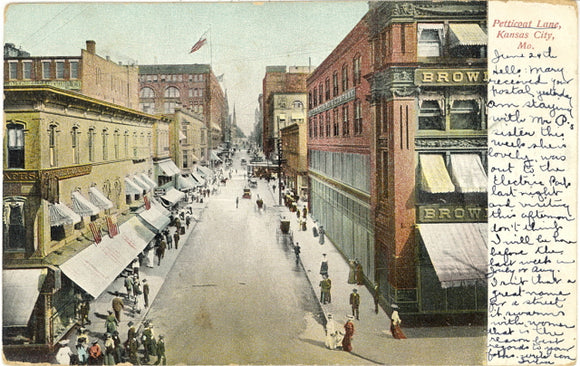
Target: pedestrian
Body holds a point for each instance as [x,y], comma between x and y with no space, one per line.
[359,276]
[136,288]
[325,287]
[324,265]
[132,349]
[111,322]
[161,251]
[135,266]
[355,303]
[118,355]
[348,334]
[237,201]
[83,337]
[177,223]
[118,306]
[161,350]
[146,292]
[351,272]
[376,294]
[150,255]
[274,188]
[333,335]
[148,340]
[129,286]
[176,239]
[95,354]
[297,252]
[304,212]
[395,323]
[168,239]
[188,220]
[109,350]
[321,234]
[63,356]
[85,309]
[131,332]
[314,230]
[297,213]
[82,352]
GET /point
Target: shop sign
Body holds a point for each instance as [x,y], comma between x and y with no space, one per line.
[451,213]
[450,76]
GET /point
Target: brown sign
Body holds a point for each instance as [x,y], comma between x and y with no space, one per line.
[70,172]
[21,176]
[451,214]
[450,76]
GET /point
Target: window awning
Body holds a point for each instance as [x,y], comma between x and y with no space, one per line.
[97,266]
[198,179]
[214,156]
[60,214]
[434,175]
[144,186]
[20,289]
[155,219]
[98,199]
[469,34]
[172,196]
[132,188]
[206,172]
[148,180]
[168,167]
[182,136]
[468,174]
[194,157]
[458,252]
[83,206]
[185,182]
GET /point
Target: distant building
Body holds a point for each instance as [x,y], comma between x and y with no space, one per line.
[88,74]
[10,50]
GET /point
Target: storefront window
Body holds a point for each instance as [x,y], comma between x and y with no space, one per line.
[14,230]
[464,115]
[430,116]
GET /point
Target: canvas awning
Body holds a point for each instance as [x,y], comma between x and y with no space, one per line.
[60,214]
[206,172]
[467,34]
[153,217]
[83,206]
[159,207]
[20,289]
[97,266]
[148,180]
[98,199]
[168,167]
[434,175]
[132,188]
[214,156]
[458,252]
[182,136]
[468,173]
[172,196]
[185,183]
[144,186]
[198,179]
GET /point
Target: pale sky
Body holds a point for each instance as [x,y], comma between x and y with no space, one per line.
[243,37]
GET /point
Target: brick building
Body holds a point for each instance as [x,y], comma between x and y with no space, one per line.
[340,137]
[428,92]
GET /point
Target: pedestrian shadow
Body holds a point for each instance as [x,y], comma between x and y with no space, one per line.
[116,293]
[313,342]
[100,316]
[366,358]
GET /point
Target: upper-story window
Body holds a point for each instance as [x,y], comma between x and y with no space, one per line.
[335,84]
[315,96]
[345,122]
[46,69]
[464,115]
[169,107]
[116,138]
[52,144]
[297,104]
[461,40]
[147,93]
[356,72]
[320,94]
[327,89]
[74,69]
[60,69]
[27,69]
[91,137]
[12,69]
[15,137]
[454,112]
[172,92]
[105,144]
[126,142]
[357,117]
[75,144]
[430,40]
[344,78]
[310,100]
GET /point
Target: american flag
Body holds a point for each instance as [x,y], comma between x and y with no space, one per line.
[96,232]
[147,202]
[113,228]
[198,44]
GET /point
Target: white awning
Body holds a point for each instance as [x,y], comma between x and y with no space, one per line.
[198,179]
[467,34]
[172,196]
[182,136]
[468,174]
[168,167]
[159,207]
[60,214]
[205,171]
[144,186]
[20,289]
[434,175]
[214,156]
[132,188]
[83,206]
[148,180]
[155,218]
[97,266]
[185,182]
[98,199]
[458,252]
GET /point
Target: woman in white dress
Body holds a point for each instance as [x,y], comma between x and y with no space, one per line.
[333,334]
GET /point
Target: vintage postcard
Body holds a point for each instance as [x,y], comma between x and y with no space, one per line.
[290,183]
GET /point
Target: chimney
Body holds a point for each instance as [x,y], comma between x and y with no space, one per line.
[91,47]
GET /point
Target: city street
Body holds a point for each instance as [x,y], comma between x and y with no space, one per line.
[235,295]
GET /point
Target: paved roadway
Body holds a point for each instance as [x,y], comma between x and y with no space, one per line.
[235,295]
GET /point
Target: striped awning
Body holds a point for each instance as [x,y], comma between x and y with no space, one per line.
[468,174]
[20,289]
[98,199]
[144,186]
[458,252]
[83,206]
[434,175]
[60,214]
[131,187]
[148,180]
[467,34]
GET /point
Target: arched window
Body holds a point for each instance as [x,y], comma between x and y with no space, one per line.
[91,144]
[75,144]
[147,93]
[15,146]
[297,104]
[105,144]
[126,143]
[172,92]
[116,137]
[52,144]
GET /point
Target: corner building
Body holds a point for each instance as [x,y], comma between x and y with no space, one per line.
[428,93]
[340,163]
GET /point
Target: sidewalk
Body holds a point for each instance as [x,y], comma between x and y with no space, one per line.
[155,277]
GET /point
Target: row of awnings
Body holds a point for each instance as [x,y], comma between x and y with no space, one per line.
[168,167]
[467,174]
[61,214]
[139,183]
[458,252]
[172,196]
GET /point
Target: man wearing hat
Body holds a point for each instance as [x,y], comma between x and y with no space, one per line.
[109,352]
[355,302]
[118,306]
[348,333]
[132,332]
[161,350]
[148,340]
[146,292]
[111,322]
[64,353]
[325,286]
